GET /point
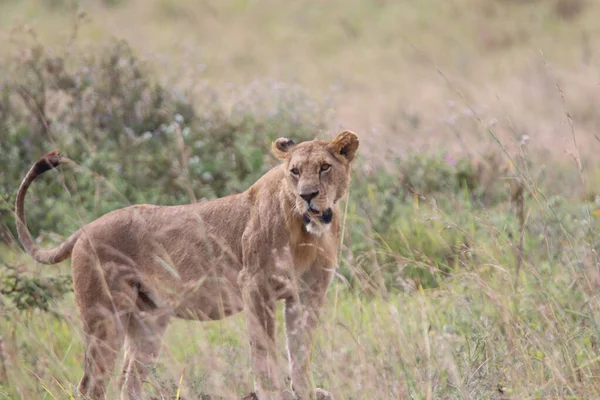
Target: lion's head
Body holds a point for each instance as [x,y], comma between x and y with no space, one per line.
[317,175]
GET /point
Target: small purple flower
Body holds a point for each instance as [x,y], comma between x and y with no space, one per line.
[450,161]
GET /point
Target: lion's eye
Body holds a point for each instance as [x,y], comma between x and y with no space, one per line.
[325,167]
[295,171]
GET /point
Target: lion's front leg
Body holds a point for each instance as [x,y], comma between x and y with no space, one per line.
[301,319]
[260,321]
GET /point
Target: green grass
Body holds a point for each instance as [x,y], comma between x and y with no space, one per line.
[475,335]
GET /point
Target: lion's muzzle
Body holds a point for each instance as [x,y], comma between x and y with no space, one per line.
[325,217]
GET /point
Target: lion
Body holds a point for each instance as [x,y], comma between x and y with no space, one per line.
[136,268]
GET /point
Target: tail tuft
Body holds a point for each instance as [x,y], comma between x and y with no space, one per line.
[49,161]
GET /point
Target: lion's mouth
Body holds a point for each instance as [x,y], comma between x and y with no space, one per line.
[324,217]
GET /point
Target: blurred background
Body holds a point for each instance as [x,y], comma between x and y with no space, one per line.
[470,247]
[409,72]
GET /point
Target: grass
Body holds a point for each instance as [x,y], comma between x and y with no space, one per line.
[446,290]
[462,340]
[475,335]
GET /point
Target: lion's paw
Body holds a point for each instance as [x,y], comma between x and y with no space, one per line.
[324,395]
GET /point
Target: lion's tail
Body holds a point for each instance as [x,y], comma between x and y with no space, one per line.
[63,251]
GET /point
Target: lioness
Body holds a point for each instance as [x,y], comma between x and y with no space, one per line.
[137,267]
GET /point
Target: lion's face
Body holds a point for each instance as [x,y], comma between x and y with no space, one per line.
[318,175]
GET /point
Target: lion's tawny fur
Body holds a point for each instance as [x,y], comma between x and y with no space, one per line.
[137,267]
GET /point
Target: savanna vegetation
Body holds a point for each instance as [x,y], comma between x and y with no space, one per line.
[469,266]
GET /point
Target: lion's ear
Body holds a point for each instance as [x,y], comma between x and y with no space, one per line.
[345,144]
[282,147]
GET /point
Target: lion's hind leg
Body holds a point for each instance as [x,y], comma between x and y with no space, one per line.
[103,342]
[143,343]
[104,297]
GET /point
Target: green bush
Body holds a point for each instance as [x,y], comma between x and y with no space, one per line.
[136,141]
[400,223]
[26,292]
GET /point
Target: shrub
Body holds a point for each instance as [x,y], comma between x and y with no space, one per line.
[136,140]
[26,292]
[400,226]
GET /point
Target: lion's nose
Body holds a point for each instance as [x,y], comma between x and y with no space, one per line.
[309,196]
